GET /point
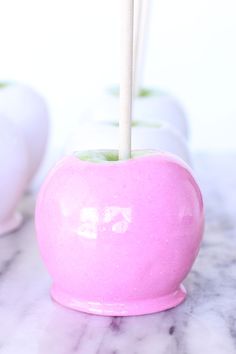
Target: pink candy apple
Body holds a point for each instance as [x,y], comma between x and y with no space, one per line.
[119,237]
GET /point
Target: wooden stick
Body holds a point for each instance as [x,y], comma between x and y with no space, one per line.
[141,20]
[126,81]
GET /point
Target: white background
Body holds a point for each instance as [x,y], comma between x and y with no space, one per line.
[69,51]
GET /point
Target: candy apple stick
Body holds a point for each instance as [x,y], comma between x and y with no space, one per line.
[126,80]
[141,21]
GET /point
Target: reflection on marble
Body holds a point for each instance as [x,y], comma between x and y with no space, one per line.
[31,323]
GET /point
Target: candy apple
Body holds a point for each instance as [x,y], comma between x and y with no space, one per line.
[104,135]
[28,111]
[14,162]
[150,105]
[119,237]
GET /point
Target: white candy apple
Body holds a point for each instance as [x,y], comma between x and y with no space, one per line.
[28,111]
[14,161]
[149,105]
[104,135]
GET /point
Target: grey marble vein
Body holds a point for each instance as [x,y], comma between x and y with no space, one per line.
[31,323]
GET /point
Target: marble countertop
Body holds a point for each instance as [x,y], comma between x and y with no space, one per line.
[31,323]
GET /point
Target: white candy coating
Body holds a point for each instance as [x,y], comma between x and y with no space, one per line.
[14,162]
[151,108]
[28,111]
[98,135]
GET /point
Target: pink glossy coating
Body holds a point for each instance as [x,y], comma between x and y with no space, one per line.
[118,238]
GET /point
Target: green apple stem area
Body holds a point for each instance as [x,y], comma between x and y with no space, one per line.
[142,92]
[135,123]
[103,156]
[3,84]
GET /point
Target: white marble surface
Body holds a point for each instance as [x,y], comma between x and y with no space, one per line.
[31,323]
